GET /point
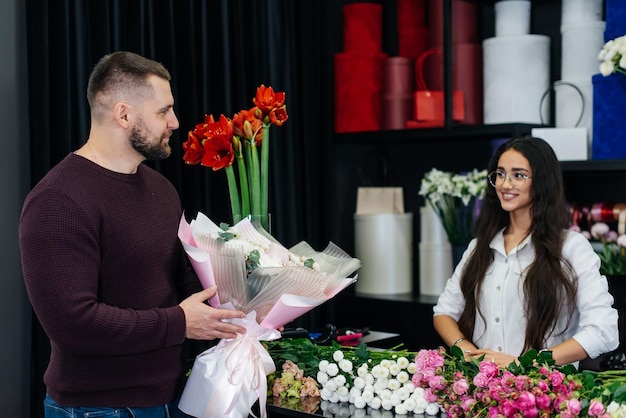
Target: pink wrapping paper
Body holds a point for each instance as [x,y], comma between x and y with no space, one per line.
[290,293]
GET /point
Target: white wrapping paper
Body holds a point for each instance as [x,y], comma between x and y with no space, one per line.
[277,294]
[226,380]
[516,75]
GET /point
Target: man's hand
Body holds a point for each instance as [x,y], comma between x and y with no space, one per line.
[206,323]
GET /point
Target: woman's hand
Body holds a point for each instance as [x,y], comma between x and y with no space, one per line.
[503,360]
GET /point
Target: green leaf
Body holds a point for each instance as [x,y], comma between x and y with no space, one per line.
[225,236]
[252,262]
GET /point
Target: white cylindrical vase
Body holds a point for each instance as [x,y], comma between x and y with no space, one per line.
[431,228]
[576,11]
[512,17]
[384,244]
[516,76]
[581,42]
[435,261]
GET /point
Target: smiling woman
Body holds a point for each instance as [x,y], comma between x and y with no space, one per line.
[526,282]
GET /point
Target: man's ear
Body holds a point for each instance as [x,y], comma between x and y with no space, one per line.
[122,112]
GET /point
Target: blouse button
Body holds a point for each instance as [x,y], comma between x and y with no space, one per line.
[498,287]
[497,319]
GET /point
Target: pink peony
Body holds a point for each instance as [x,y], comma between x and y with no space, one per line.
[489,368]
[596,408]
[556,378]
[437,382]
[543,401]
[460,387]
[481,380]
[598,230]
[574,407]
[525,401]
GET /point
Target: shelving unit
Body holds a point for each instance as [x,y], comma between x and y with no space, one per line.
[401,157]
[473,132]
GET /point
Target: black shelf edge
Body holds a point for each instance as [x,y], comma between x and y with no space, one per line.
[591,166]
[400,297]
[508,130]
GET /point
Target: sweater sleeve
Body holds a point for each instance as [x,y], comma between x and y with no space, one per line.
[61,256]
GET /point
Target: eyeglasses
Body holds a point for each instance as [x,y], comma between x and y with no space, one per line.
[517,178]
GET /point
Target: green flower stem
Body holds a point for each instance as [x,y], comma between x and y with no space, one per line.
[255,182]
[265,158]
[234,195]
[243,184]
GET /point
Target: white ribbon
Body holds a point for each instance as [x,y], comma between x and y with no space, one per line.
[227,379]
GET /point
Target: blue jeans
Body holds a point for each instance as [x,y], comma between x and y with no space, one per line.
[54,410]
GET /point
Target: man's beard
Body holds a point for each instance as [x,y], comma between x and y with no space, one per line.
[142,141]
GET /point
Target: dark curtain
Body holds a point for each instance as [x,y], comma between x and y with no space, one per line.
[218,52]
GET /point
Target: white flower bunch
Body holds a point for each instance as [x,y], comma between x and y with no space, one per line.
[386,386]
[452,196]
[613,57]
[616,410]
[437,184]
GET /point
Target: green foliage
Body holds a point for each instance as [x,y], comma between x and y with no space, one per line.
[226,235]
[307,355]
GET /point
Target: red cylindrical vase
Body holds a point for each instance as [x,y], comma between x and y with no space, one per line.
[362,28]
[358,86]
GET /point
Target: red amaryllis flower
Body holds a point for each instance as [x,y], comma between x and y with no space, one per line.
[266,99]
[246,139]
[193,149]
[278,116]
[210,128]
[218,152]
[246,125]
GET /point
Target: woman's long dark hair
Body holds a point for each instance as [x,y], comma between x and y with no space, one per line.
[549,284]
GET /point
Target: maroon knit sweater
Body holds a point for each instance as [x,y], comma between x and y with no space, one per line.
[105,271]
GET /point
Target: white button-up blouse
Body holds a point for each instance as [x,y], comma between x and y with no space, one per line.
[593,326]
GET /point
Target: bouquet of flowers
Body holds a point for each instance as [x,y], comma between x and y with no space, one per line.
[274,285]
[440,380]
[613,57]
[533,386]
[218,144]
[358,376]
[253,272]
[454,197]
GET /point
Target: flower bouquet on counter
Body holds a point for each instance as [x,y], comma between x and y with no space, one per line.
[434,381]
[453,197]
[274,285]
[531,387]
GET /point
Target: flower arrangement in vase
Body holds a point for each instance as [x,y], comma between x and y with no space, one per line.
[453,196]
[218,144]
